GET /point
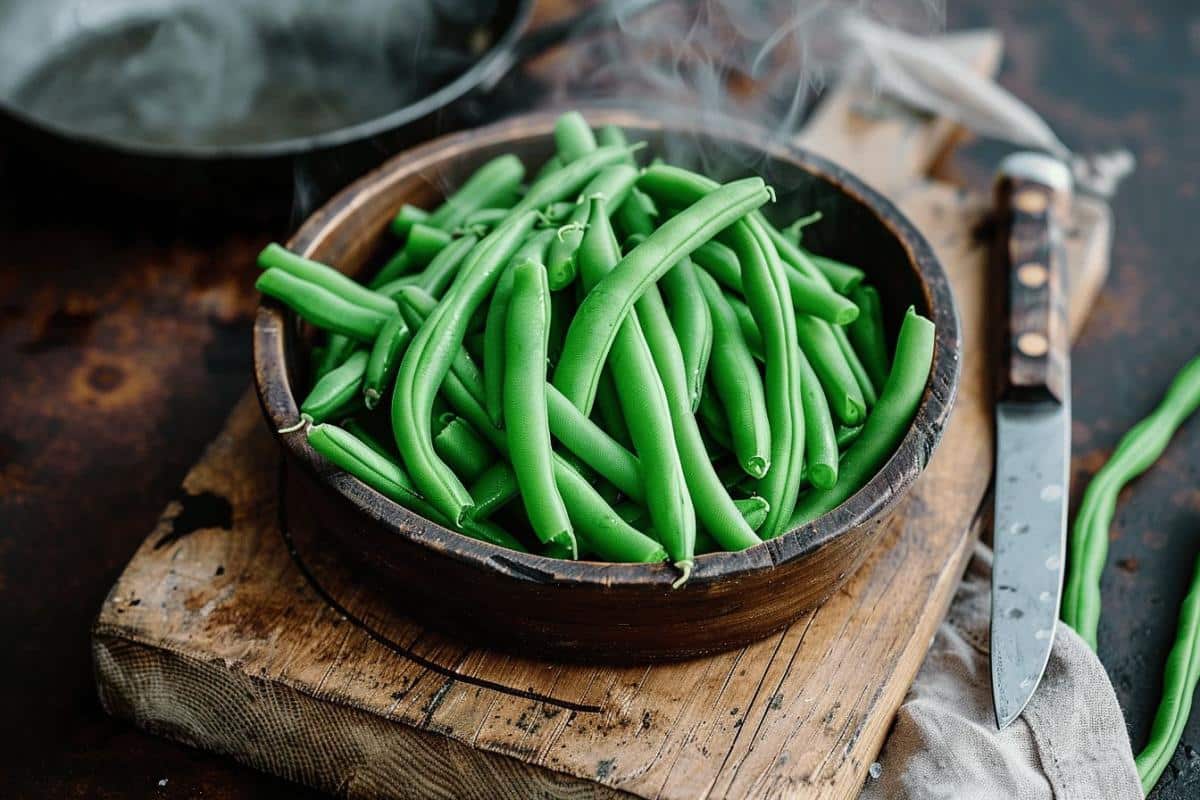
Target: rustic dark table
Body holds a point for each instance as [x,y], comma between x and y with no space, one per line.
[123,346]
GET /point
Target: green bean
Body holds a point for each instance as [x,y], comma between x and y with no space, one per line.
[550,166]
[692,322]
[436,277]
[416,306]
[484,218]
[867,336]
[885,426]
[593,446]
[600,314]
[712,417]
[749,328]
[611,135]
[494,182]
[865,384]
[386,477]
[795,229]
[582,437]
[643,402]
[494,342]
[333,393]
[428,359]
[338,348]
[384,359]
[534,248]
[721,263]
[754,510]
[821,348]
[631,217]
[714,507]
[423,243]
[573,137]
[274,256]
[738,385]
[820,436]
[462,449]
[1138,449]
[599,528]
[562,308]
[392,287]
[608,409]
[1179,685]
[612,183]
[406,217]
[493,489]
[526,415]
[565,183]
[769,299]
[843,277]
[809,296]
[359,431]
[846,436]
[322,307]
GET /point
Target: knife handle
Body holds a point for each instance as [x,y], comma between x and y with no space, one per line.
[1033,198]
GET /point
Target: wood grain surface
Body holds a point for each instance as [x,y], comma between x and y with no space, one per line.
[251,637]
[123,345]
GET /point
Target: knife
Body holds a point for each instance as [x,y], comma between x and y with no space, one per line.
[1033,425]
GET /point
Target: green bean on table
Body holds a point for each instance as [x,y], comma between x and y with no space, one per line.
[1137,450]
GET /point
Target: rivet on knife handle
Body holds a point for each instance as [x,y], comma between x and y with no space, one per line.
[1033,195]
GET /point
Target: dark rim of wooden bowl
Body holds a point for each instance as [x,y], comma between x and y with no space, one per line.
[880,494]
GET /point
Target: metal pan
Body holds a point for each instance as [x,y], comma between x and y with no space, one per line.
[63,52]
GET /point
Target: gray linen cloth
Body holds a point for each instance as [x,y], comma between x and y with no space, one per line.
[1070,742]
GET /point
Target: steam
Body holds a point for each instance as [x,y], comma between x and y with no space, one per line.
[222,72]
[759,61]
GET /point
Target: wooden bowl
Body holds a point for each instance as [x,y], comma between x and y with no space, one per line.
[601,611]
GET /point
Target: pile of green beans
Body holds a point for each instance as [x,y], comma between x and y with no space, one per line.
[604,362]
[1137,450]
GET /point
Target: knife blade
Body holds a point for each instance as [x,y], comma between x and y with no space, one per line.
[1033,426]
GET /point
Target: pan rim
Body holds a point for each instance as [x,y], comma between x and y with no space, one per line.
[490,66]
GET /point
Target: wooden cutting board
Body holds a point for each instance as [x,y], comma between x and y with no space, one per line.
[235,628]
